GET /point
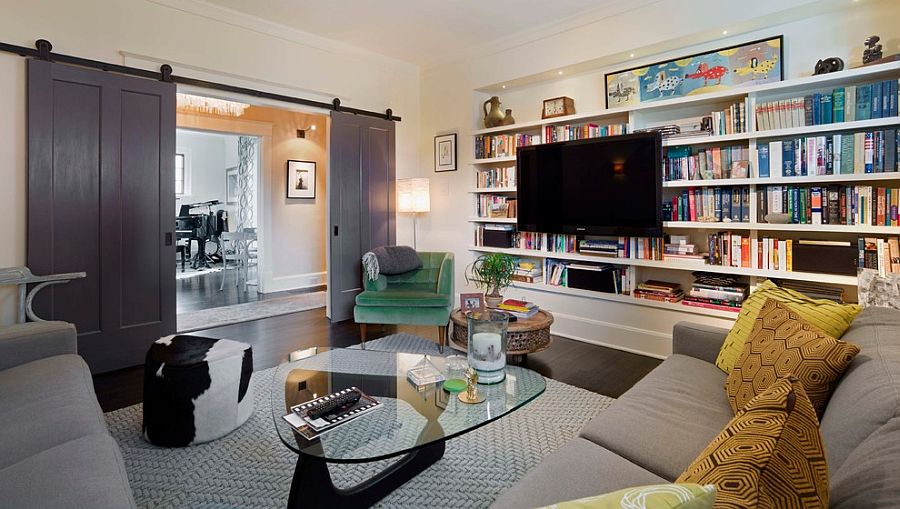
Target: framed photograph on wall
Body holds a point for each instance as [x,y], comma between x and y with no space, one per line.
[232,188]
[750,63]
[301,179]
[445,152]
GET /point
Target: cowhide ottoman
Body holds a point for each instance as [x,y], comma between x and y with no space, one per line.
[195,389]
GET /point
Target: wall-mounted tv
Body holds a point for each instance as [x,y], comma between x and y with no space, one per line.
[599,186]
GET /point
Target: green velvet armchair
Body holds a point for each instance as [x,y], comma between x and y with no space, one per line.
[419,297]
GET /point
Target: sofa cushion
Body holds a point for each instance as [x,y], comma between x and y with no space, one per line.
[770,455]
[404,294]
[783,344]
[828,316]
[45,403]
[84,473]
[868,395]
[656,496]
[578,469]
[869,476]
[667,418]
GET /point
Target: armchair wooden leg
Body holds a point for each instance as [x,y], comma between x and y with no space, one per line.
[362,335]
[442,337]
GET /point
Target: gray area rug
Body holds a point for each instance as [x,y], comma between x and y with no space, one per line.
[227,315]
[251,468]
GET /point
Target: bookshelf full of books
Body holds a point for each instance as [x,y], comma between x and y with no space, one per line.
[797,181]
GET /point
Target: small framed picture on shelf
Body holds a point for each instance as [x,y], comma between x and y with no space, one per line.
[301,179]
[471,302]
[445,152]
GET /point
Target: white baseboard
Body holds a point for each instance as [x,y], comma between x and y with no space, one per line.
[270,284]
[612,335]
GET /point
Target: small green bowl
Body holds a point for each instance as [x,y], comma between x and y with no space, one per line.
[454,385]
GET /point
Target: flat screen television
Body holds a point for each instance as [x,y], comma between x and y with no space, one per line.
[599,186]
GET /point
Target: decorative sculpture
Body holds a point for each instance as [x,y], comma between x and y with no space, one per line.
[827,65]
[471,394]
[873,51]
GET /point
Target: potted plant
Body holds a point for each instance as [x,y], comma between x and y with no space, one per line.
[492,273]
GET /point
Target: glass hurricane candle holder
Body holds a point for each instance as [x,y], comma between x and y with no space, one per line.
[487,344]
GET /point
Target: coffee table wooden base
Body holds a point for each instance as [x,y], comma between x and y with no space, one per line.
[312,487]
[523,337]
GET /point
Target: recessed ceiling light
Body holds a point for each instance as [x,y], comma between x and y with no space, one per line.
[724,32]
[559,72]
[631,55]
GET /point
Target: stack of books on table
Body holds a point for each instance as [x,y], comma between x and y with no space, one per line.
[659,291]
[528,271]
[715,291]
[679,249]
[519,308]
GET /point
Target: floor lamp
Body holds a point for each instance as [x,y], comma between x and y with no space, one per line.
[413,197]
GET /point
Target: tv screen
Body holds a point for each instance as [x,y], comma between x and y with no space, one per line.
[600,186]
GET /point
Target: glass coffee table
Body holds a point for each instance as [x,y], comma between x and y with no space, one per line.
[411,423]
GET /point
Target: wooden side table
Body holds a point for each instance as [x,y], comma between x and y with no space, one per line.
[524,336]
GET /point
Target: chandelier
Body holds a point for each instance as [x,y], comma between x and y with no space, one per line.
[211,105]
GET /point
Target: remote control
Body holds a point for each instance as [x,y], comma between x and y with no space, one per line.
[347,399]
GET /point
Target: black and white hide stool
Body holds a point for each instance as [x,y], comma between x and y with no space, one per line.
[195,389]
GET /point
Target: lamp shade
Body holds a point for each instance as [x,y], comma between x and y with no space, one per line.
[413,195]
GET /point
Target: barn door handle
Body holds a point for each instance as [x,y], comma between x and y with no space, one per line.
[168,238]
[335,230]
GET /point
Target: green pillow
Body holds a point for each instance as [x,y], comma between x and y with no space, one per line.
[828,316]
[660,496]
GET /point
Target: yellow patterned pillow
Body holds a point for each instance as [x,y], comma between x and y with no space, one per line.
[783,344]
[828,316]
[770,455]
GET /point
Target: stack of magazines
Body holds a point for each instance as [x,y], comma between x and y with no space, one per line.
[315,417]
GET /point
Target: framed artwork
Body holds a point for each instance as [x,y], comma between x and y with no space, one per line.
[753,63]
[301,179]
[471,301]
[232,187]
[445,152]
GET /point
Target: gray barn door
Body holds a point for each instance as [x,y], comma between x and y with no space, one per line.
[101,157]
[361,172]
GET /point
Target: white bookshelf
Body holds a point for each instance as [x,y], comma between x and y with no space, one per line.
[640,115]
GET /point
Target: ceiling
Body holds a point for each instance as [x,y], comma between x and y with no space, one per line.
[422,32]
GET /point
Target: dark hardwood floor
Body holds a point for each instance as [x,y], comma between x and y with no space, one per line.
[202,292]
[595,368]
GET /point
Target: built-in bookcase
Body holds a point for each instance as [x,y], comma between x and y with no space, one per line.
[653,113]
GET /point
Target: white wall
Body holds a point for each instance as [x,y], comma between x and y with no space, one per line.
[450,103]
[205,160]
[196,39]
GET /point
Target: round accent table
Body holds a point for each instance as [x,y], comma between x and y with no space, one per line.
[524,336]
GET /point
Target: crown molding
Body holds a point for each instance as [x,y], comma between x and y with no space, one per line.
[268,28]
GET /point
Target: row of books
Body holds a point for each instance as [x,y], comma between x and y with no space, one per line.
[880,254]
[715,291]
[550,242]
[496,177]
[557,272]
[850,153]
[835,204]
[687,163]
[728,249]
[709,205]
[502,145]
[554,133]
[845,104]
[732,120]
[495,206]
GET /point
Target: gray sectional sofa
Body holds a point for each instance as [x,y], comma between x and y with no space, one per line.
[55,450]
[654,431]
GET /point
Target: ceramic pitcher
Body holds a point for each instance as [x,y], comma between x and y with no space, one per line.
[495,116]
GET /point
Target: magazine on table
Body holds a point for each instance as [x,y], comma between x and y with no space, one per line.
[314,417]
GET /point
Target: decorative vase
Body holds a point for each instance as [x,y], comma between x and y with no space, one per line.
[495,116]
[493,301]
[487,345]
[508,118]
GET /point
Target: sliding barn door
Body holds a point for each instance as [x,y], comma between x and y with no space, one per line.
[361,172]
[101,156]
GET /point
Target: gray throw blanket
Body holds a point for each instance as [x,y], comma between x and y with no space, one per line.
[390,260]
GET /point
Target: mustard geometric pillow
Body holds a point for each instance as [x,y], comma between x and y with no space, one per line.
[783,344]
[828,316]
[770,455]
[659,496]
